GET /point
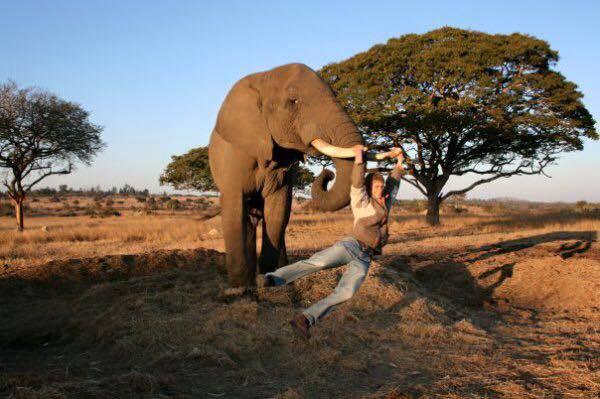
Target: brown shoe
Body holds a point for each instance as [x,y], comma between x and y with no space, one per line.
[301,325]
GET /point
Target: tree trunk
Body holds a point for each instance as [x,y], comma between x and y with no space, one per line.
[19,214]
[433,210]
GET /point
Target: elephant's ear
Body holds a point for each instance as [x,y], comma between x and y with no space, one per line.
[241,122]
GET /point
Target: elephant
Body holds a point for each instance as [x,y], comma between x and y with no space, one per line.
[268,122]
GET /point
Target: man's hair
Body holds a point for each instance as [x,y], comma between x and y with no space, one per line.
[373,176]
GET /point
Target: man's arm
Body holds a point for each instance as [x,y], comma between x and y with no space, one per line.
[392,183]
[358,192]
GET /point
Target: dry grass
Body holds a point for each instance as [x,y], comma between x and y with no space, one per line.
[482,307]
[83,236]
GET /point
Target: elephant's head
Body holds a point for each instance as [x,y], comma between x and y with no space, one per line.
[291,107]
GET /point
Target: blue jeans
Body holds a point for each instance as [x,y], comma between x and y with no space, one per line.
[346,251]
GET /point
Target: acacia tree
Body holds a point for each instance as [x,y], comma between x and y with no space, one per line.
[463,102]
[189,171]
[41,135]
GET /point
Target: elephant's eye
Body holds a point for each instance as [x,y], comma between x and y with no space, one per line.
[293,101]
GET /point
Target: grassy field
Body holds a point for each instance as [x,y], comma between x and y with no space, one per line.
[501,304]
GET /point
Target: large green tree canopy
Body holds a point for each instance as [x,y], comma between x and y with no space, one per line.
[463,102]
[189,171]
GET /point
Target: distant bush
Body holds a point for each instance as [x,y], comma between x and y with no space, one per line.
[453,209]
[413,206]
[151,204]
[584,206]
[111,212]
[201,203]
[109,202]
[173,204]
[141,199]
[6,209]
[102,212]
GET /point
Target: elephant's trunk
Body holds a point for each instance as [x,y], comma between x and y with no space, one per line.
[339,195]
[334,139]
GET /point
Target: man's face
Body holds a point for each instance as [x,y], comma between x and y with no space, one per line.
[377,189]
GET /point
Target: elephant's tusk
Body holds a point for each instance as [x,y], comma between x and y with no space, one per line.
[331,150]
[340,152]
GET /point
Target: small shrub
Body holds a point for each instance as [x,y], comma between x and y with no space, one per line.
[6,209]
[151,204]
[114,212]
[201,203]
[173,204]
[107,212]
[454,209]
[141,199]
[413,206]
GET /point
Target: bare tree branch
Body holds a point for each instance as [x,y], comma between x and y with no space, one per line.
[43,176]
[415,183]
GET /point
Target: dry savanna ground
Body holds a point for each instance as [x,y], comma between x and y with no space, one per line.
[501,305]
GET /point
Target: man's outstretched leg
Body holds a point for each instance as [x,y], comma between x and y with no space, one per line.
[350,282]
[335,255]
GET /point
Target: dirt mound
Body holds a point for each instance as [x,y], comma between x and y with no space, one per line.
[119,267]
[548,283]
[37,302]
[171,333]
[164,330]
[555,271]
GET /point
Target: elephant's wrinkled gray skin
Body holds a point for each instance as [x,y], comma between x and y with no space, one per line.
[265,125]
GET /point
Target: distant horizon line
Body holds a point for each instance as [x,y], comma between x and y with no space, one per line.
[196,193]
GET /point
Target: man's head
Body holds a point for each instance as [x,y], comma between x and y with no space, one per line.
[374,184]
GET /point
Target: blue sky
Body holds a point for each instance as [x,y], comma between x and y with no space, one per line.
[155,73]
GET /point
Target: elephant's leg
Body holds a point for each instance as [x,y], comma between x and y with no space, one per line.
[276,216]
[254,206]
[283,258]
[241,267]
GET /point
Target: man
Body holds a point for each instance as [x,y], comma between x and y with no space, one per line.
[370,201]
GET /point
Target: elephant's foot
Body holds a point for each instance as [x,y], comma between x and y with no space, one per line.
[232,294]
